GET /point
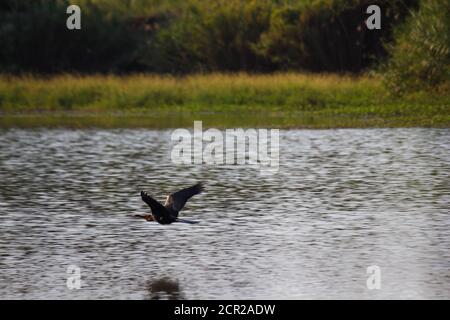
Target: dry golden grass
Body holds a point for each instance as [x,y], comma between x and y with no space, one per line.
[283,98]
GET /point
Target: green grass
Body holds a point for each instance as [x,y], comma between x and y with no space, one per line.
[235,100]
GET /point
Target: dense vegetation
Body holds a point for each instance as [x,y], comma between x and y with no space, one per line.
[195,35]
[420,55]
[234,62]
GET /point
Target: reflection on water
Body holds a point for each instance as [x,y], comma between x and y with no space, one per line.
[343,200]
[164,288]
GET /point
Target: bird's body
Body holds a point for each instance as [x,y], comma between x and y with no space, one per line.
[168,213]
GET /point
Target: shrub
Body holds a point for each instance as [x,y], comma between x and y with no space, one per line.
[329,35]
[215,35]
[420,56]
[34,38]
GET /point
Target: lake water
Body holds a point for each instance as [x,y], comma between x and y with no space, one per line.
[343,200]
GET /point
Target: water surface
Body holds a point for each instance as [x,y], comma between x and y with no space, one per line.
[343,200]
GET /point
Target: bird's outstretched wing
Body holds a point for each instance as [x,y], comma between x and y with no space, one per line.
[176,201]
[157,208]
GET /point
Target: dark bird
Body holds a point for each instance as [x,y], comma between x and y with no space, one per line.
[168,213]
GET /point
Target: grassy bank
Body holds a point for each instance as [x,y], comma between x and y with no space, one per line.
[278,100]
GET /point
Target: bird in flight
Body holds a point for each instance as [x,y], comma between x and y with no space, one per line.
[168,213]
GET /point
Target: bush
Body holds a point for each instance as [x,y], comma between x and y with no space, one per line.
[420,56]
[329,35]
[34,38]
[215,35]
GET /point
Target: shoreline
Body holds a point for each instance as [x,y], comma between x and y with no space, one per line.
[282,100]
[170,121]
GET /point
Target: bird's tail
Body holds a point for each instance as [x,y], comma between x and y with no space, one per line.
[186,221]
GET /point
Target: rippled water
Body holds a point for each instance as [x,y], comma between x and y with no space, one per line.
[343,200]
